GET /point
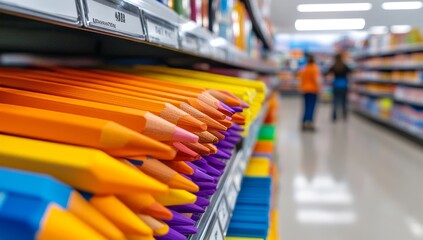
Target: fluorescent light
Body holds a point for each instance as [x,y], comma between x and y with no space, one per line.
[334,7]
[400,29]
[402,5]
[330,24]
[378,30]
[323,216]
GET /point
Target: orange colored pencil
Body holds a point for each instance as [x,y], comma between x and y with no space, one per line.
[180,167]
[137,120]
[206,137]
[108,136]
[211,147]
[146,204]
[163,173]
[184,151]
[198,148]
[228,100]
[226,123]
[217,134]
[165,110]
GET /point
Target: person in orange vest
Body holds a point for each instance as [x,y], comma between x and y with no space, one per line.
[309,86]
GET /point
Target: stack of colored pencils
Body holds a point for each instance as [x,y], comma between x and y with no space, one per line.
[134,154]
[255,215]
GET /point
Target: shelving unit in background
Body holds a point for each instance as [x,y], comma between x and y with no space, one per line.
[91,32]
[388,88]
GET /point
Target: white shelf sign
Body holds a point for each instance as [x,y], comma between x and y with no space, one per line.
[123,18]
[237,180]
[205,48]
[65,9]
[216,232]
[223,213]
[189,42]
[160,31]
[231,197]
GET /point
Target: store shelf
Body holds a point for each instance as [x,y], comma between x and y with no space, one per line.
[215,221]
[114,28]
[391,124]
[259,25]
[397,67]
[391,97]
[379,95]
[379,81]
[391,51]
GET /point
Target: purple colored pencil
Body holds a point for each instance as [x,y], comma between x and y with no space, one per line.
[195,217]
[224,144]
[221,154]
[227,108]
[206,185]
[188,208]
[205,193]
[171,235]
[179,219]
[200,162]
[237,127]
[216,163]
[202,202]
[234,133]
[201,176]
[212,171]
[225,133]
[185,229]
[237,109]
[226,151]
[233,140]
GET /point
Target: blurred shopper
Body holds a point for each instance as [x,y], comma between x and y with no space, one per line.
[309,86]
[339,71]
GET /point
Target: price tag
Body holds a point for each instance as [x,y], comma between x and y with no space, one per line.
[231,198]
[216,232]
[237,180]
[64,10]
[161,31]
[223,213]
[189,42]
[123,18]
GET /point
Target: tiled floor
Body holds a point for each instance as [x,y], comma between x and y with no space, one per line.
[350,180]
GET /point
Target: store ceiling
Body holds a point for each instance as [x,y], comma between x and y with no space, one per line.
[284,13]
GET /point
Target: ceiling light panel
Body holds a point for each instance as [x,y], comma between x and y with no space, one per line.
[330,24]
[334,7]
[402,5]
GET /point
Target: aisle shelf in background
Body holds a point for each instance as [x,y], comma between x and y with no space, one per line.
[381,81]
[391,124]
[258,22]
[145,29]
[395,99]
[388,52]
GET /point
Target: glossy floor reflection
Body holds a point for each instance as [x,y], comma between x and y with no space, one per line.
[353,180]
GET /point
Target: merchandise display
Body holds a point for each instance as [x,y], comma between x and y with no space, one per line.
[388,86]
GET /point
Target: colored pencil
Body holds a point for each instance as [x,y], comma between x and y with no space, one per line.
[228,100]
[159,228]
[163,173]
[146,204]
[217,134]
[180,167]
[185,229]
[176,197]
[118,213]
[188,208]
[84,168]
[48,189]
[164,110]
[171,235]
[137,120]
[179,219]
[108,136]
[23,217]
[206,137]
[211,147]
[198,148]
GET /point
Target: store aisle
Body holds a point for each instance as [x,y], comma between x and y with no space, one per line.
[353,180]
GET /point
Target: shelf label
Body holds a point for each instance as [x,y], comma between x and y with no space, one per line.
[161,31]
[123,18]
[231,197]
[64,9]
[204,47]
[216,232]
[237,180]
[223,213]
[189,42]
[220,53]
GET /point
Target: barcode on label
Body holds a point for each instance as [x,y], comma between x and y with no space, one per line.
[123,19]
[161,32]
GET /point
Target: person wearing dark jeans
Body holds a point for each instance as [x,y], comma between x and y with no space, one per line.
[340,72]
[310,100]
[340,100]
[310,88]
